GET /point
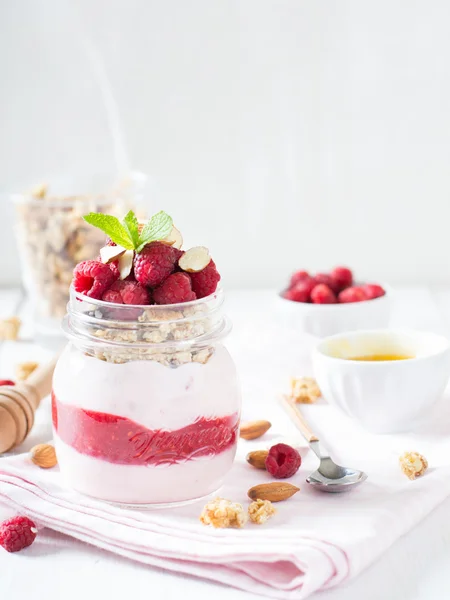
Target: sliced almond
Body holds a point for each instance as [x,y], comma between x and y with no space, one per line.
[125,263]
[174,239]
[275,492]
[254,429]
[195,259]
[110,253]
[257,458]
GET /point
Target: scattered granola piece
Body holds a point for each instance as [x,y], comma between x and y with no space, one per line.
[40,190]
[305,390]
[260,511]
[9,328]
[223,513]
[202,356]
[24,370]
[413,464]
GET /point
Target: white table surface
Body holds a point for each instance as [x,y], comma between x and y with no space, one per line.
[56,567]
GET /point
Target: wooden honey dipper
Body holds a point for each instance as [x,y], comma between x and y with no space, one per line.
[18,404]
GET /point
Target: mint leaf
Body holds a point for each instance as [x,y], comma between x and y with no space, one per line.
[131,225]
[126,234]
[159,227]
[112,227]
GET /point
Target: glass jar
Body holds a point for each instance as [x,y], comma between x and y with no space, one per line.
[145,401]
[53,237]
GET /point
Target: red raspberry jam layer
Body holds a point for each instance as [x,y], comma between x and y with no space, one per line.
[122,441]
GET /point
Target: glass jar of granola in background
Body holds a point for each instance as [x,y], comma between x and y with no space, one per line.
[53,237]
[145,400]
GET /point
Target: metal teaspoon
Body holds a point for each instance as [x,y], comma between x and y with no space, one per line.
[329,477]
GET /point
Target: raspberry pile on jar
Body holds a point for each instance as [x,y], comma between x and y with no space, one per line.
[143,263]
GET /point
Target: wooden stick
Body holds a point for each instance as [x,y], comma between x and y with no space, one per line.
[297,418]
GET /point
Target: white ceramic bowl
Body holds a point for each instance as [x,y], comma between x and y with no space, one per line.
[386,396]
[328,319]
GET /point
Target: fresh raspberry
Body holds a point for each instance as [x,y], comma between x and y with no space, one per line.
[373,290]
[325,279]
[178,254]
[323,294]
[352,294]
[7,382]
[155,263]
[112,296]
[205,281]
[283,461]
[301,292]
[299,276]
[127,292]
[176,288]
[93,278]
[114,266]
[17,533]
[342,278]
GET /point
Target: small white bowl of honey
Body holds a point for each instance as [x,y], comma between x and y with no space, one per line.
[389,380]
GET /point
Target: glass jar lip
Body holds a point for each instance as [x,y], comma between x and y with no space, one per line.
[114,189]
[161,308]
[203,341]
[63,202]
[86,316]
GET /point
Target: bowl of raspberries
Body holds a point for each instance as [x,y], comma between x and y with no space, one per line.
[328,303]
[142,263]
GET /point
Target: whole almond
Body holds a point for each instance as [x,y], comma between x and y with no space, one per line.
[257,458]
[275,492]
[254,429]
[44,456]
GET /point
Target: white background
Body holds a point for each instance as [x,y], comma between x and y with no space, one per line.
[281,133]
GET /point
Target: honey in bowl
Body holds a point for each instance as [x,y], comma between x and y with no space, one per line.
[381,357]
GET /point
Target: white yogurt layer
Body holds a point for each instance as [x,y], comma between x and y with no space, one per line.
[149,484]
[147,392]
